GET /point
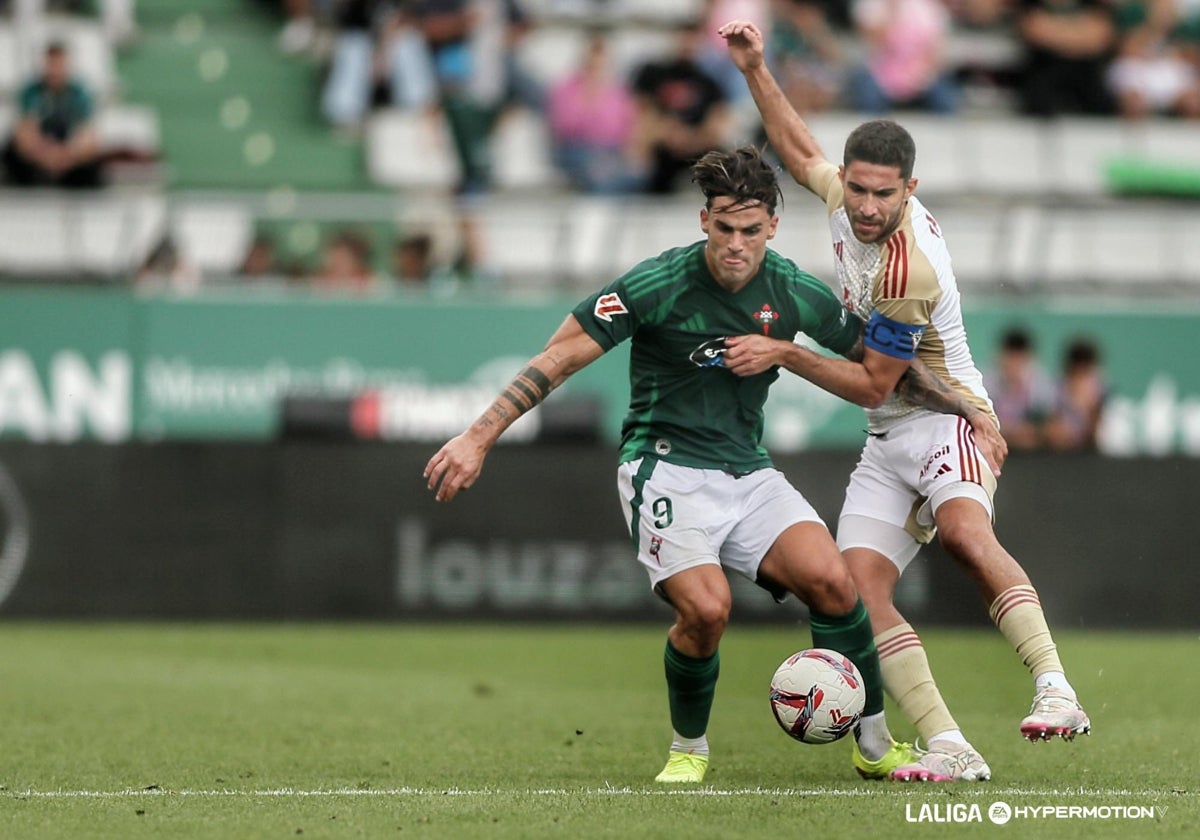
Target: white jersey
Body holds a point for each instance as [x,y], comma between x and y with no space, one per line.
[907,278]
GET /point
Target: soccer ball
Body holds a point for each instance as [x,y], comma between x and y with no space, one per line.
[817,696]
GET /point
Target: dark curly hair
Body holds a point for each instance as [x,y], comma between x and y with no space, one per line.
[742,174]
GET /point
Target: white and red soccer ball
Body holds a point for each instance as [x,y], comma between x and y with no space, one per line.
[817,695]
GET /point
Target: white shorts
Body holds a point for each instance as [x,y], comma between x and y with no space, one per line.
[683,517]
[903,477]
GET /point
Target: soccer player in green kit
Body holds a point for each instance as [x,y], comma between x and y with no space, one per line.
[698,489]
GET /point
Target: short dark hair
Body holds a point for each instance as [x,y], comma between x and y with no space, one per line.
[1017,339]
[1081,352]
[742,174]
[883,143]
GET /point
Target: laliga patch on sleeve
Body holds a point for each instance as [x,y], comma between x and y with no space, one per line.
[892,338]
[609,305]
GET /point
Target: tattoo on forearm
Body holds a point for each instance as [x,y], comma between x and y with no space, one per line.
[923,387]
[528,388]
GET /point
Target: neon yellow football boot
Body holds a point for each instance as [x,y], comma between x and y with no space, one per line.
[898,755]
[683,767]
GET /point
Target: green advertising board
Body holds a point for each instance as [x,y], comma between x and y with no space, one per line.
[112,365]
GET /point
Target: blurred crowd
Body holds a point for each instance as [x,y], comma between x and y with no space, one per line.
[634,129]
[348,260]
[1040,411]
[620,127]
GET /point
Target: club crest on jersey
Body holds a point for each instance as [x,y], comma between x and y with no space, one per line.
[766,316]
[609,305]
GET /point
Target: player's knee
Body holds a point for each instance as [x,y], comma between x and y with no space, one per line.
[833,592]
[962,541]
[706,618]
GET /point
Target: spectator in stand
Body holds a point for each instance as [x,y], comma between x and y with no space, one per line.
[1152,74]
[1068,46]
[905,57]
[54,142]
[346,265]
[1082,392]
[475,79]
[1022,394]
[376,40]
[412,260]
[682,112]
[804,55]
[591,117]
[260,261]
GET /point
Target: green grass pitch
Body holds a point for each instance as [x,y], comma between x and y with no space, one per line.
[501,731]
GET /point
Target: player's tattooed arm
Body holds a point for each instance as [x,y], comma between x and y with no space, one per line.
[527,390]
[457,464]
[923,387]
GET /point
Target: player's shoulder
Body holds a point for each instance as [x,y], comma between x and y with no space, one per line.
[822,179]
[781,269]
[912,256]
[673,265]
[786,276]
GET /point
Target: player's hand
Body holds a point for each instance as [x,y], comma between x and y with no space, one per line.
[989,440]
[747,355]
[455,467]
[745,43]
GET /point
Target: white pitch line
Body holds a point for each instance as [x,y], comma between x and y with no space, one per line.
[284,793]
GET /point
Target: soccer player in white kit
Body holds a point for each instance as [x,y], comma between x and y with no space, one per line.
[920,473]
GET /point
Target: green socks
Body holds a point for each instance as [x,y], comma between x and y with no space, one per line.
[691,685]
[851,635]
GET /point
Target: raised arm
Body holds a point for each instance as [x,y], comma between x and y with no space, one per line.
[457,464]
[789,135]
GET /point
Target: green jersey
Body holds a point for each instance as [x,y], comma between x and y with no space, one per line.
[685,407]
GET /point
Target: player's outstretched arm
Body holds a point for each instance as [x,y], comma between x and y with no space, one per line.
[788,133]
[867,377]
[457,464]
[867,380]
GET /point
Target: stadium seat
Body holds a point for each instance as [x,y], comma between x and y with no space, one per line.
[58,234]
[521,155]
[523,240]
[33,234]
[11,70]
[410,149]
[1004,155]
[212,237]
[942,152]
[132,127]
[113,233]
[551,53]
[588,255]
[1080,149]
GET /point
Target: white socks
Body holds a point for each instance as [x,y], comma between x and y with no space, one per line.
[695,746]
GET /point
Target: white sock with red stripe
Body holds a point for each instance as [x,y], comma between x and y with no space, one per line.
[1018,613]
[907,678]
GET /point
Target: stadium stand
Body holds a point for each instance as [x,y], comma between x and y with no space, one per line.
[1033,205]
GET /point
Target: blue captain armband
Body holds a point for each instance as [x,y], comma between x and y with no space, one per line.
[892,338]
